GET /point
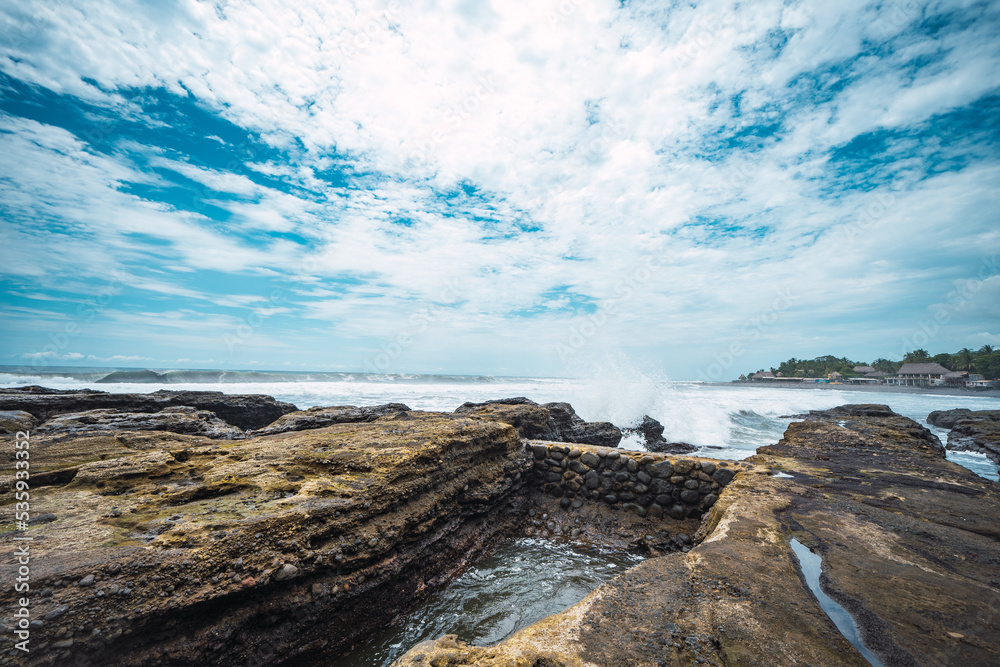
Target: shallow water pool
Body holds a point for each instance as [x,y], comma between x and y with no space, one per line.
[521,582]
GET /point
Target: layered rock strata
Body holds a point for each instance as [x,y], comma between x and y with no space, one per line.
[909,542]
[162,548]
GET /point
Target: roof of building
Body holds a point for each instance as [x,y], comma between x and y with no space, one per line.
[864,369]
[876,374]
[923,369]
[765,374]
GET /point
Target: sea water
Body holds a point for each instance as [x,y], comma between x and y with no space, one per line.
[724,420]
[519,583]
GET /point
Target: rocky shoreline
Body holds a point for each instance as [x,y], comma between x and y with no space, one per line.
[972,431]
[200,533]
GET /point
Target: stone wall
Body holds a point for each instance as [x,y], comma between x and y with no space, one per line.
[645,483]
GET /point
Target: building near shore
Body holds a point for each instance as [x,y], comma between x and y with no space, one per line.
[919,375]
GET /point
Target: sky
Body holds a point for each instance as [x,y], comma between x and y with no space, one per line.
[507,188]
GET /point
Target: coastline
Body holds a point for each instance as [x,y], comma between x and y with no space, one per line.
[880,388]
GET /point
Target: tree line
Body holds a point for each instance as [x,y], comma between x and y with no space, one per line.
[985,361]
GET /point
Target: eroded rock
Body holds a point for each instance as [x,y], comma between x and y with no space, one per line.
[975,431]
[181,549]
[319,417]
[180,419]
[651,431]
[245,411]
[909,542]
[12,421]
[550,421]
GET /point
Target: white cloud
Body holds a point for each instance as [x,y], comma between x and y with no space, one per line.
[604,128]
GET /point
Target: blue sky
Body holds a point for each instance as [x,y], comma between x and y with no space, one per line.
[505,188]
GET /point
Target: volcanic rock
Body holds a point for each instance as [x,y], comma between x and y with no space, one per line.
[974,431]
[557,422]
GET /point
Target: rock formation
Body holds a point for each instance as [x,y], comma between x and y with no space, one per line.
[550,421]
[977,431]
[150,547]
[245,411]
[651,432]
[179,419]
[162,548]
[12,421]
[319,417]
[909,542]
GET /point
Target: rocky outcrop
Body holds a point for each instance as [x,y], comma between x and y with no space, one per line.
[12,421]
[651,431]
[550,421]
[949,418]
[973,431]
[909,544]
[567,426]
[245,411]
[181,419]
[852,410]
[162,548]
[319,417]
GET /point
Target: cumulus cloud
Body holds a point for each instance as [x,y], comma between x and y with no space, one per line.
[515,171]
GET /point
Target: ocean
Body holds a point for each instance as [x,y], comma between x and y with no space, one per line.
[725,420]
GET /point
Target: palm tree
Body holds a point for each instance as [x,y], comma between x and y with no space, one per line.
[986,349]
[965,360]
[917,356]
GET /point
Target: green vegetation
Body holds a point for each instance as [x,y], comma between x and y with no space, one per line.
[985,361]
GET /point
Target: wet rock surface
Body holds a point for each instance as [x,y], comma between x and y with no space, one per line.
[950,418]
[909,542]
[320,417]
[550,421]
[245,411]
[975,431]
[651,432]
